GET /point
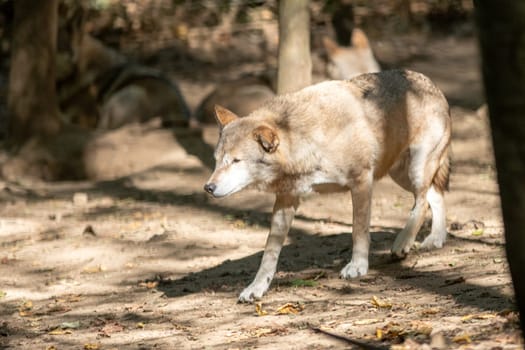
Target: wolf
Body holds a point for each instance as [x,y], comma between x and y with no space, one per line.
[340,136]
[346,62]
[241,96]
[106,91]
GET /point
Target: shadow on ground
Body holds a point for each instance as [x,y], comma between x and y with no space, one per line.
[310,255]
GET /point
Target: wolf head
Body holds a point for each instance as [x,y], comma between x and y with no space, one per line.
[346,62]
[245,154]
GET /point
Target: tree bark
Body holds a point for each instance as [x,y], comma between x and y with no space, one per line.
[295,64]
[501,26]
[31,100]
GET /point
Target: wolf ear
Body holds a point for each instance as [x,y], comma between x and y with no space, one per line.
[359,39]
[224,116]
[330,46]
[266,137]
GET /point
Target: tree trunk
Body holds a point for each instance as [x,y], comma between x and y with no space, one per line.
[31,100]
[501,26]
[295,64]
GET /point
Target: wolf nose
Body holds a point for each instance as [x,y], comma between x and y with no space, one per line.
[210,188]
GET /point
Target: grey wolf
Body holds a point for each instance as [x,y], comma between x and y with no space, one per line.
[340,136]
[107,91]
[346,62]
[241,96]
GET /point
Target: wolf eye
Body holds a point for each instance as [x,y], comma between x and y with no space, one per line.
[236,160]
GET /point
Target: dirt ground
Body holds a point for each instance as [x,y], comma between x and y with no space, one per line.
[148,261]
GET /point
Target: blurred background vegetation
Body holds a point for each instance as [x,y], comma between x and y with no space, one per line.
[188,37]
[113,57]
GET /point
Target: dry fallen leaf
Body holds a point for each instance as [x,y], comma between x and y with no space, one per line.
[58,331]
[25,309]
[394,331]
[391,331]
[289,308]
[259,310]
[379,333]
[149,285]
[431,311]
[462,338]
[418,328]
[110,329]
[379,303]
[259,332]
[93,269]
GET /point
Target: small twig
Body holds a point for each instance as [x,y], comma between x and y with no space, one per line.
[361,344]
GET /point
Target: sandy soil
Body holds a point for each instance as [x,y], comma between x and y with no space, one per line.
[148,261]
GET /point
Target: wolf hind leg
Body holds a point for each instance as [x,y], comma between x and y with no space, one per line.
[438,233]
[414,172]
[423,170]
[407,237]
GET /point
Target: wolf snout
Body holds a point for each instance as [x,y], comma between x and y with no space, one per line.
[210,188]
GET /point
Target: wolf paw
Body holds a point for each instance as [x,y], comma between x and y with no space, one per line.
[252,293]
[401,247]
[432,242]
[355,268]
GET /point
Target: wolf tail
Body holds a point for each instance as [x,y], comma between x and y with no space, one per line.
[442,176]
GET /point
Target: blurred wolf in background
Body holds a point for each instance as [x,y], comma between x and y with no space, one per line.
[101,88]
[346,62]
[242,96]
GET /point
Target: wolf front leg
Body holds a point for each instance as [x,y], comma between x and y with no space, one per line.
[283,213]
[361,198]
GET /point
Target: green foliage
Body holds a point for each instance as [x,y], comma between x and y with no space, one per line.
[303,283]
